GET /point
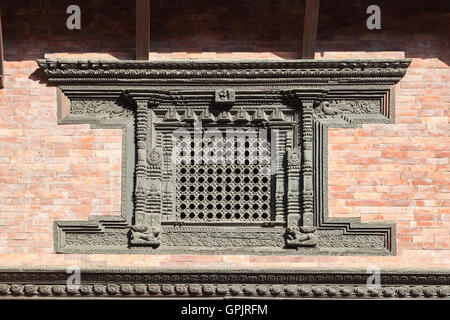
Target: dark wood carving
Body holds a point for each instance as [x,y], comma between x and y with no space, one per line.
[285,284]
[228,208]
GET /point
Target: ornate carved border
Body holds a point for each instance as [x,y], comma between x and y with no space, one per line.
[60,71]
[106,94]
[294,284]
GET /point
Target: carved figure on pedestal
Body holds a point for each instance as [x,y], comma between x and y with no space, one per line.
[299,237]
[144,235]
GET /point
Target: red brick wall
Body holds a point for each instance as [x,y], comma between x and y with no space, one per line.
[397,172]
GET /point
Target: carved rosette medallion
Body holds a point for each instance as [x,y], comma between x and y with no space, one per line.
[154,157]
[294,157]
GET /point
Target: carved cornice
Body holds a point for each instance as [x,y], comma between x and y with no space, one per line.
[386,71]
[170,283]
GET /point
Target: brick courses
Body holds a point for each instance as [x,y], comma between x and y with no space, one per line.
[392,172]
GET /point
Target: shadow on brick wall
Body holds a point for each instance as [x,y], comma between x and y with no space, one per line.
[215,28]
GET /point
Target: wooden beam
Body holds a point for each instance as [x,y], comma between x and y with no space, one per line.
[310,28]
[1,54]
[142,29]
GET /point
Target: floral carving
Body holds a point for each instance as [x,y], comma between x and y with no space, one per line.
[294,157]
[349,241]
[332,108]
[154,157]
[100,109]
[224,239]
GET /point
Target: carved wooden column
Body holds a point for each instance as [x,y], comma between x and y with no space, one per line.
[300,229]
[293,190]
[307,142]
[141,167]
[280,188]
[148,180]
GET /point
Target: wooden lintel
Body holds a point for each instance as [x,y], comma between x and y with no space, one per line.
[310,29]
[142,29]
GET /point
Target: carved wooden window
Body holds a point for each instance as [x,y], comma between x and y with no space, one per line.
[242,206]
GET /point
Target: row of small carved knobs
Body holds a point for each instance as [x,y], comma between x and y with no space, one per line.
[221,290]
[225,116]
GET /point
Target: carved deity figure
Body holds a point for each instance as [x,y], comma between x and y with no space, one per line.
[303,236]
[141,234]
